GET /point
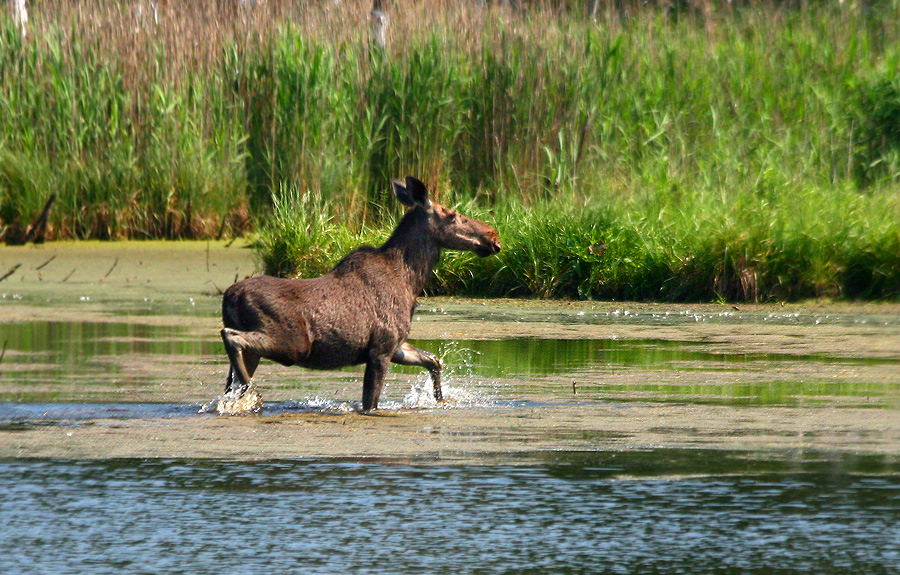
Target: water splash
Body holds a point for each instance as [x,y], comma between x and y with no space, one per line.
[421,396]
[461,389]
[322,405]
[459,393]
[235,403]
[460,386]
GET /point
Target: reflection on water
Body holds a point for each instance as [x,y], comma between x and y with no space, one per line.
[713,376]
[72,344]
[537,356]
[653,316]
[628,512]
[104,361]
[47,353]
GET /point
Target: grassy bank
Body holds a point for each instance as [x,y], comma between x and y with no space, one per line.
[705,247]
[736,151]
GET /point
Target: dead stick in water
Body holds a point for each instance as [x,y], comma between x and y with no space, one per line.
[38,228]
[106,275]
[70,275]
[40,267]
[10,272]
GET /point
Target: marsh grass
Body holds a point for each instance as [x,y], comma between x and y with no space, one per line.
[819,243]
[721,151]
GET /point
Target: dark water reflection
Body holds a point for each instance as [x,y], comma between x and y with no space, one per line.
[541,356]
[73,344]
[94,361]
[661,511]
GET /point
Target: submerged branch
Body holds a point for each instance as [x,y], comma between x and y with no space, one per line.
[10,272]
[106,275]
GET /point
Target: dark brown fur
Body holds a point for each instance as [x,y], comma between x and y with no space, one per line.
[359,312]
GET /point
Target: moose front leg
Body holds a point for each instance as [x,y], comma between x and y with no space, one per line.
[373,381]
[411,355]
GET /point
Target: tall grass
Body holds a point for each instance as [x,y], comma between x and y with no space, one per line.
[751,151]
[819,243]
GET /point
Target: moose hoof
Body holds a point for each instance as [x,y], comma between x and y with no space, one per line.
[249,402]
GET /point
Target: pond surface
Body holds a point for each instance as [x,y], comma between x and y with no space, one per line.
[113,360]
[669,512]
[577,438]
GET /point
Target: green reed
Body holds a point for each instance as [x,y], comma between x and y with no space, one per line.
[817,243]
[734,152]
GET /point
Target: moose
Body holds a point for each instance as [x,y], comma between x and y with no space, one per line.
[358,313]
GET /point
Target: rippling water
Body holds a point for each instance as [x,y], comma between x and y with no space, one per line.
[633,511]
[661,511]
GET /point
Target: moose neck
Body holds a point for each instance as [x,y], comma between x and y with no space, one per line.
[414,248]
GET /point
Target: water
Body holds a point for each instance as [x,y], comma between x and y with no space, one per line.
[663,511]
[115,361]
[635,439]
[540,356]
[762,357]
[684,315]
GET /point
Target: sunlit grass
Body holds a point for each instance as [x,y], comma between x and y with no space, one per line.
[819,243]
[741,153]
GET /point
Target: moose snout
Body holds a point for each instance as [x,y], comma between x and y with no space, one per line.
[491,245]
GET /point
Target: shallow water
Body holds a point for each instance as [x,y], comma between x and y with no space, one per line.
[579,437]
[664,511]
[115,361]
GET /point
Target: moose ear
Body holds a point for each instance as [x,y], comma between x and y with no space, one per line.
[402,193]
[413,193]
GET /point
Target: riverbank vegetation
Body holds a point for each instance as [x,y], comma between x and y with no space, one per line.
[720,151]
[710,246]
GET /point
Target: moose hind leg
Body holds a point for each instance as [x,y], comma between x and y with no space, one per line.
[251,361]
[244,354]
[408,354]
